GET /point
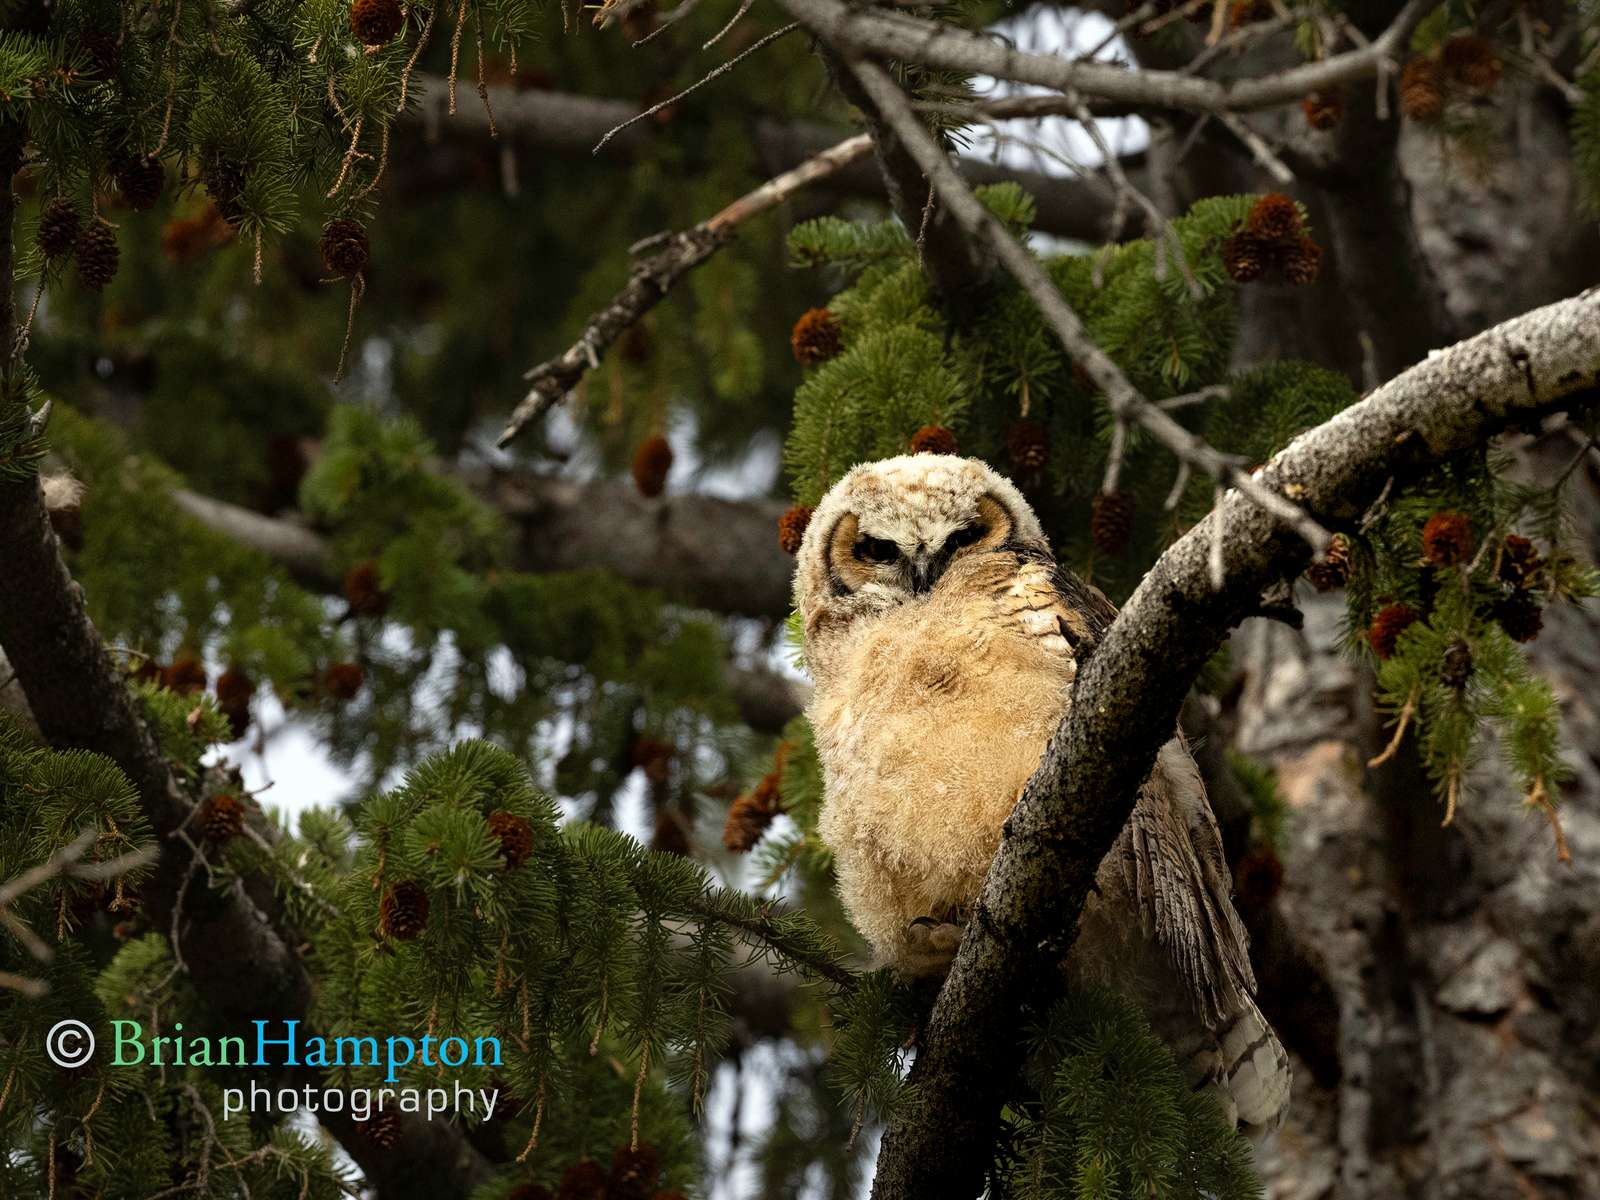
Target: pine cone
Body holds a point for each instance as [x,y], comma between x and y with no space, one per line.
[363,590]
[59,226]
[651,462]
[343,680]
[1302,262]
[1257,878]
[654,757]
[403,911]
[1472,61]
[96,254]
[1274,218]
[383,1128]
[1456,667]
[1247,12]
[671,834]
[1332,570]
[1447,539]
[514,834]
[139,178]
[344,246]
[751,813]
[235,689]
[583,1180]
[933,439]
[1421,90]
[1520,616]
[1387,626]
[1519,561]
[1323,110]
[816,337]
[634,1173]
[186,675]
[1245,256]
[1028,444]
[1111,521]
[792,527]
[222,817]
[375,22]
[224,179]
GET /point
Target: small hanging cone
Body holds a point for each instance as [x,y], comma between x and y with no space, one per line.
[1302,262]
[514,834]
[222,817]
[1422,90]
[1028,444]
[383,1128]
[1456,668]
[816,337]
[1472,61]
[792,527]
[403,911]
[1245,257]
[186,675]
[97,255]
[1387,626]
[344,246]
[751,813]
[933,439]
[1519,561]
[1323,110]
[583,1180]
[343,680]
[363,590]
[375,22]
[60,222]
[1274,218]
[651,462]
[139,179]
[1332,570]
[235,690]
[634,1173]
[1111,521]
[1447,539]
[1520,616]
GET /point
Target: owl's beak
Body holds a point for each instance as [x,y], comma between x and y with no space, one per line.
[924,572]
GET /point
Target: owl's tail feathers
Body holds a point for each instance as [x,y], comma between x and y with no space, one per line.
[1254,1070]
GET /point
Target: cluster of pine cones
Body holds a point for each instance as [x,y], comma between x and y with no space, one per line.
[1464,64]
[1272,238]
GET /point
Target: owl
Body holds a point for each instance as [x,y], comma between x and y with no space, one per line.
[943,641]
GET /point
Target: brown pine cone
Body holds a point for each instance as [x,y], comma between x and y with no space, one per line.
[1519,561]
[97,255]
[1472,61]
[1447,539]
[343,680]
[1028,444]
[751,813]
[792,527]
[139,179]
[816,337]
[403,911]
[375,22]
[1245,256]
[235,689]
[1387,626]
[186,675]
[1456,667]
[1520,616]
[1323,110]
[344,246]
[651,462]
[363,590]
[1302,262]
[653,756]
[671,835]
[634,1173]
[933,439]
[383,1128]
[222,817]
[59,226]
[1422,90]
[583,1180]
[514,834]
[1111,521]
[224,179]
[1274,218]
[1332,570]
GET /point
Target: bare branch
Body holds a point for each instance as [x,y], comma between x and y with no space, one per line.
[655,276]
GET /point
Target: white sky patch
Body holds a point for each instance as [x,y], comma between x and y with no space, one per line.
[1053,145]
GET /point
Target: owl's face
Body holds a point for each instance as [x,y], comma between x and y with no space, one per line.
[888,531]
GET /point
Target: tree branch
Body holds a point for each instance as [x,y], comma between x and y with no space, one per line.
[1127,698]
[939,44]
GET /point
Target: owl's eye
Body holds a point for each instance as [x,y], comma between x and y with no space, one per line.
[963,537]
[876,550]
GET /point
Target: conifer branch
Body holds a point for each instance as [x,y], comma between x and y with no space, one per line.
[1125,401]
[654,276]
[1127,697]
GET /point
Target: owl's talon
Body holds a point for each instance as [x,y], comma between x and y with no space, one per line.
[930,947]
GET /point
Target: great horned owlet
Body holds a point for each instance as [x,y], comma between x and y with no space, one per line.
[943,640]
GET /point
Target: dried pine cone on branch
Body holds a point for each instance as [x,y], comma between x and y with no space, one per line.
[1111,521]
[383,1128]
[651,463]
[344,246]
[1519,561]
[1332,570]
[1447,539]
[816,337]
[60,222]
[1384,632]
[97,255]
[1422,90]
[792,527]
[1323,110]
[222,817]
[139,178]
[934,439]
[375,22]
[403,911]
[1028,444]
[514,834]
[1472,61]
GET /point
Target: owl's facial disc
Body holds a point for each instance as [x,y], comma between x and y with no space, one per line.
[916,559]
